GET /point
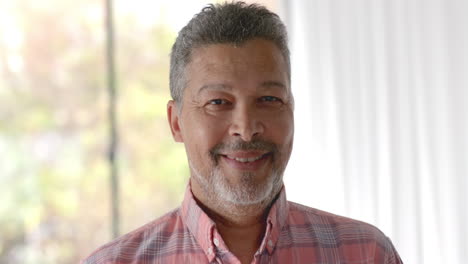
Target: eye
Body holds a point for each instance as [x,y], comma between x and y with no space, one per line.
[218,102]
[269,99]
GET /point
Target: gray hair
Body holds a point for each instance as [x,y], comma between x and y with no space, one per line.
[234,22]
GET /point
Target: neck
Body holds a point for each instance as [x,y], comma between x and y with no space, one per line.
[234,216]
[242,239]
[242,227]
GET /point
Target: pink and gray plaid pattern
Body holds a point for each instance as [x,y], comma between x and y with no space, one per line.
[294,234]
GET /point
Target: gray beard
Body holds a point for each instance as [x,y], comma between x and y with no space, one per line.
[247,192]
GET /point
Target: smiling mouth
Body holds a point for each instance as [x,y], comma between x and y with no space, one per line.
[248,160]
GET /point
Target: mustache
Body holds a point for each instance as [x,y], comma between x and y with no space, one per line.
[240,145]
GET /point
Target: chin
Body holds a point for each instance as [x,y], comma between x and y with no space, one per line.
[247,191]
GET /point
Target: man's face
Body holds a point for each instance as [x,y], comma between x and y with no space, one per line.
[236,121]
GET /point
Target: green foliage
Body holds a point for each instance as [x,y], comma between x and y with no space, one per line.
[54,186]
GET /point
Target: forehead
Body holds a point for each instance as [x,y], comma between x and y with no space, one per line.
[255,60]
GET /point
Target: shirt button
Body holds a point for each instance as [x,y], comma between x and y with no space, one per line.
[270,243]
[210,251]
[216,242]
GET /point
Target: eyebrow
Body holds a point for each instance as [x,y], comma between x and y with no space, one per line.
[218,86]
[272,84]
[221,86]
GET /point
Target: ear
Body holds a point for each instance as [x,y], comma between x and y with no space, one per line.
[173,118]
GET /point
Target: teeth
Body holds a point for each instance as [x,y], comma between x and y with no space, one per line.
[246,159]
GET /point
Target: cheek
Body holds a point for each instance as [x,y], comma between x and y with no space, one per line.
[281,128]
[202,134]
[284,137]
[209,129]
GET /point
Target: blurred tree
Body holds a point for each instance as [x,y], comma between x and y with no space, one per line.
[54,191]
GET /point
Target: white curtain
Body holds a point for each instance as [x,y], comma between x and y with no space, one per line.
[381,89]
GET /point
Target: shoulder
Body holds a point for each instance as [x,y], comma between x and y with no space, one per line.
[348,239]
[147,241]
[329,228]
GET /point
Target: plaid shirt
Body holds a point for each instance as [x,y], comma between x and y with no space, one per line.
[294,234]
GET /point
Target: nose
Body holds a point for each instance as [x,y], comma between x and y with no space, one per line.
[246,123]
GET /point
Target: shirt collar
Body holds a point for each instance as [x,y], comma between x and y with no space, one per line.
[276,220]
[203,228]
[198,223]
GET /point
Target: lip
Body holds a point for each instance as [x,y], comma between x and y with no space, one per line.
[245,154]
[247,166]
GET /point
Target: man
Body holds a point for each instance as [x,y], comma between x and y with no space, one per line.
[232,108]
